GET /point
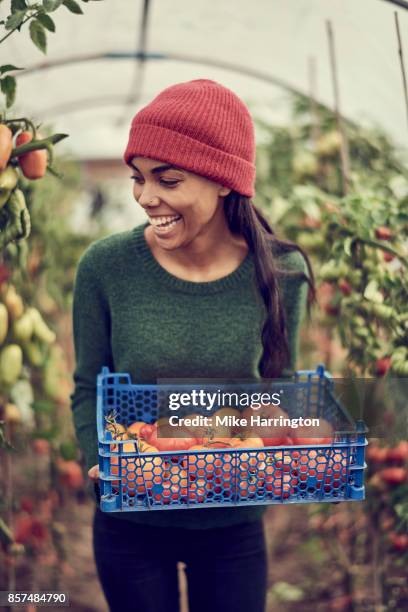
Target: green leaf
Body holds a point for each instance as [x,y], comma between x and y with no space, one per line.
[73,7]
[8,68]
[18,5]
[46,21]
[38,35]
[347,245]
[51,5]
[14,20]
[8,87]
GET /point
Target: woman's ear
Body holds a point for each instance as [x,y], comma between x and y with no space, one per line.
[224,191]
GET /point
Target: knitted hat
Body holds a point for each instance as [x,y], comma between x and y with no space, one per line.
[200,126]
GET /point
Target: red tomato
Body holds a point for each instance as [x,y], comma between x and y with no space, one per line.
[383,233]
[382,366]
[70,474]
[146,431]
[41,446]
[399,541]
[376,454]
[162,442]
[33,164]
[313,435]
[270,434]
[398,454]
[283,441]
[393,475]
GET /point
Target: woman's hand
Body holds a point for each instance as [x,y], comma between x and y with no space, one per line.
[93,473]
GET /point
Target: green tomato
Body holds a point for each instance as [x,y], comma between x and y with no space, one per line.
[361,332]
[332,270]
[8,181]
[383,312]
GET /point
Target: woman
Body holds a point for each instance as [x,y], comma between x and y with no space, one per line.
[204,289]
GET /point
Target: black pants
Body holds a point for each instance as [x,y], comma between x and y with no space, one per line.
[226,568]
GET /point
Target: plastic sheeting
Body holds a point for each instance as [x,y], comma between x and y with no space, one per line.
[87,99]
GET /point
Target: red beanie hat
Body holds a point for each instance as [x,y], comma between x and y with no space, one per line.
[200,126]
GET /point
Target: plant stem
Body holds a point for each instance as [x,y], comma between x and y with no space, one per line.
[377,245]
[402,63]
[344,152]
[34,145]
[32,16]
[312,73]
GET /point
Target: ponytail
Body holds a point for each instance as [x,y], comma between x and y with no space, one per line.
[245,219]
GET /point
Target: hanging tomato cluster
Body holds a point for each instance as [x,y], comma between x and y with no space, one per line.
[24,337]
[21,153]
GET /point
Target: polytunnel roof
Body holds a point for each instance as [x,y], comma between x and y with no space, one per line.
[258,49]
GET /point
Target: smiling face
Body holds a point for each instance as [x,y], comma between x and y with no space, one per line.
[180,205]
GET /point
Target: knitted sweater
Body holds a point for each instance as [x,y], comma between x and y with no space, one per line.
[133,316]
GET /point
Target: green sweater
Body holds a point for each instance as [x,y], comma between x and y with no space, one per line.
[133,316]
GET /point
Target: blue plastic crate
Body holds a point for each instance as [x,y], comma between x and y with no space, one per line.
[134,481]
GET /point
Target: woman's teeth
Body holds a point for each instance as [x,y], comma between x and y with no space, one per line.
[163,224]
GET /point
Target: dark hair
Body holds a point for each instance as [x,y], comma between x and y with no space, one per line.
[245,219]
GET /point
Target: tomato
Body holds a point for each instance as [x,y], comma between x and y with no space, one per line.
[283,441]
[322,434]
[217,442]
[162,442]
[332,310]
[310,441]
[281,487]
[6,145]
[146,448]
[127,447]
[139,474]
[252,442]
[399,541]
[198,447]
[345,287]
[226,430]
[393,475]
[388,256]
[147,430]
[382,366]
[41,446]
[34,163]
[398,454]
[383,233]
[197,431]
[279,460]
[251,464]
[181,444]
[70,474]
[175,485]
[376,454]
[208,465]
[272,435]
[196,494]
[27,504]
[134,428]
[30,530]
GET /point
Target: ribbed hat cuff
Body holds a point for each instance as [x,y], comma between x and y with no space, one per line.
[172,147]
